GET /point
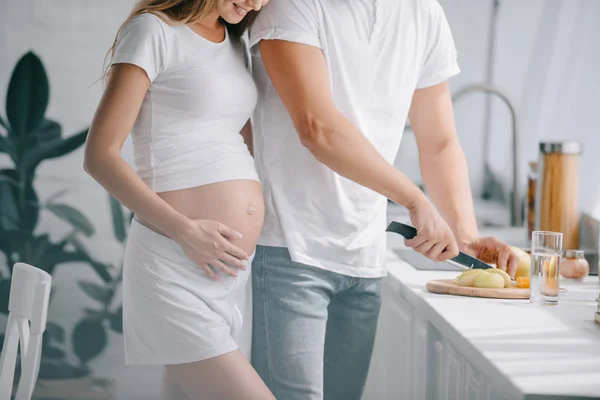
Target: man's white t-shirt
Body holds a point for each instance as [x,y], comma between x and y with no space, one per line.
[378,52]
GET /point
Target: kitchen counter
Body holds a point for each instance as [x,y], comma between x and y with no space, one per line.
[451,347]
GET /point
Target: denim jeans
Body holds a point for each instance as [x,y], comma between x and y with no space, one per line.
[313,329]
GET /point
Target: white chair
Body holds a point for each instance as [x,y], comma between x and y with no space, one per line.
[28,307]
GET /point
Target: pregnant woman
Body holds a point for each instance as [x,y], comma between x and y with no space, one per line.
[177,80]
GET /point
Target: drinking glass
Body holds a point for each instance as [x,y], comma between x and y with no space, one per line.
[546,250]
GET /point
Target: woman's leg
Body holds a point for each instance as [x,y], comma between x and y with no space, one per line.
[226,377]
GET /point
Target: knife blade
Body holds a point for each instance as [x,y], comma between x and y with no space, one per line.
[463,260]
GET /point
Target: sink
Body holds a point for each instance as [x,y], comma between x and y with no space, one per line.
[423,263]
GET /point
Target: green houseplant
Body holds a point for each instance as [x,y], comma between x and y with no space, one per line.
[29,139]
[90,337]
[90,334]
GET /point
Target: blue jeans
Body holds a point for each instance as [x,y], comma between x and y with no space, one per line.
[313,329]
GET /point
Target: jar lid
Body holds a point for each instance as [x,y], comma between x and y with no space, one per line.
[574,253]
[566,147]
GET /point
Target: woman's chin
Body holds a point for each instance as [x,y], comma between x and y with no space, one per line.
[232,18]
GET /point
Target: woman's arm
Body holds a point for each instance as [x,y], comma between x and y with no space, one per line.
[205,242]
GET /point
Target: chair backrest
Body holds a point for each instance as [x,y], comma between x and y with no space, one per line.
[28,308]
[30,295]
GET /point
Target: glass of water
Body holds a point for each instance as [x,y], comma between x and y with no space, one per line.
[546,250]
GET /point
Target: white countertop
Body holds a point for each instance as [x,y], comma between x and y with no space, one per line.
[553,350]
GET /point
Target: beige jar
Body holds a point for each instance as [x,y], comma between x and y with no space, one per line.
[574,265]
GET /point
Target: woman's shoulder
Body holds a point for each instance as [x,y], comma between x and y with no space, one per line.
[148,23]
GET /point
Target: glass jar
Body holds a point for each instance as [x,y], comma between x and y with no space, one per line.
[557,188]
[574,265]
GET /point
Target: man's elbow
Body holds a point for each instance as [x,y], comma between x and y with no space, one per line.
[434,150]
[313,131]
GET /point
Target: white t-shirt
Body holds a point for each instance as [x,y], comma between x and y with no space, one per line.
[187,132]
[378,52]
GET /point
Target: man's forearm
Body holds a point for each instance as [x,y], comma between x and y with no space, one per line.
[446,179]
[337,143]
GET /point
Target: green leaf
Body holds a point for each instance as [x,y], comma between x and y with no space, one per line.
[52,352]
[101,269]
[4,295]
[95,314]
[55,332]
[95,291]
[53,254]
[9,208]
[4,124]
[89,339]
[28,94]
[52,149]
[40,249]
[14,241]
[57,195]
[8,179]
[118,219]
[48,130]
[61,257]
[6,146]
[25,210]
[72,216]
[31,211]
[116,320]
[51,368]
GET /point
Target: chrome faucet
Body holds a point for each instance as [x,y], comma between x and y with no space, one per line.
[515,206]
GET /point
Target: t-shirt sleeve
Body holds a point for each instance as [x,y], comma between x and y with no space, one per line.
[142,42]
[440,61]
[289,20]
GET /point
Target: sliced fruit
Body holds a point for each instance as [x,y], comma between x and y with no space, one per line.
[503,274]
[524,262]
[523,282]
[467,278]
[489,281]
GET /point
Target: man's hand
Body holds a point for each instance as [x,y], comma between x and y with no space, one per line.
[434,237]
[492,251]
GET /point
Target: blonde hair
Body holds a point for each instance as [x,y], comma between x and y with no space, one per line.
[178,12]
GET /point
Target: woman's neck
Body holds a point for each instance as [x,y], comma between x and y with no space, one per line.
[211,22]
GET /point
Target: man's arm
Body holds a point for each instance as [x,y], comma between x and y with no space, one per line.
[442,161]
[300,76]
[446,177]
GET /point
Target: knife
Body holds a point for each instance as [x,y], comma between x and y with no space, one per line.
[462,260]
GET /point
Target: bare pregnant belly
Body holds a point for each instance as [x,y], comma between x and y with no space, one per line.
[237,204]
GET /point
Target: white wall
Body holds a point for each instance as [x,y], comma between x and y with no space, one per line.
[549,73]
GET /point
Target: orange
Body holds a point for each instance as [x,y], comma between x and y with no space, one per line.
[523,282]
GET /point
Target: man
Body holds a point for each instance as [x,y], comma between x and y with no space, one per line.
[336,80]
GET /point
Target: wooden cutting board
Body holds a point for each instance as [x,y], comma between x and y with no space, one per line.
[447,286]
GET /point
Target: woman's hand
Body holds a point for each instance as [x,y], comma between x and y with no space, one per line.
[208,244]
[434,237]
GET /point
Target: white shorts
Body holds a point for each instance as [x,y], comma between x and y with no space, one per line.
[172,312]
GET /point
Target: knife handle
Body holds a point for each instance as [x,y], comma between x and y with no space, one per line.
[405,230]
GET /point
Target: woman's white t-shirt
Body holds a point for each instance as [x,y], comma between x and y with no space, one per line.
[378,52]
[187,132]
